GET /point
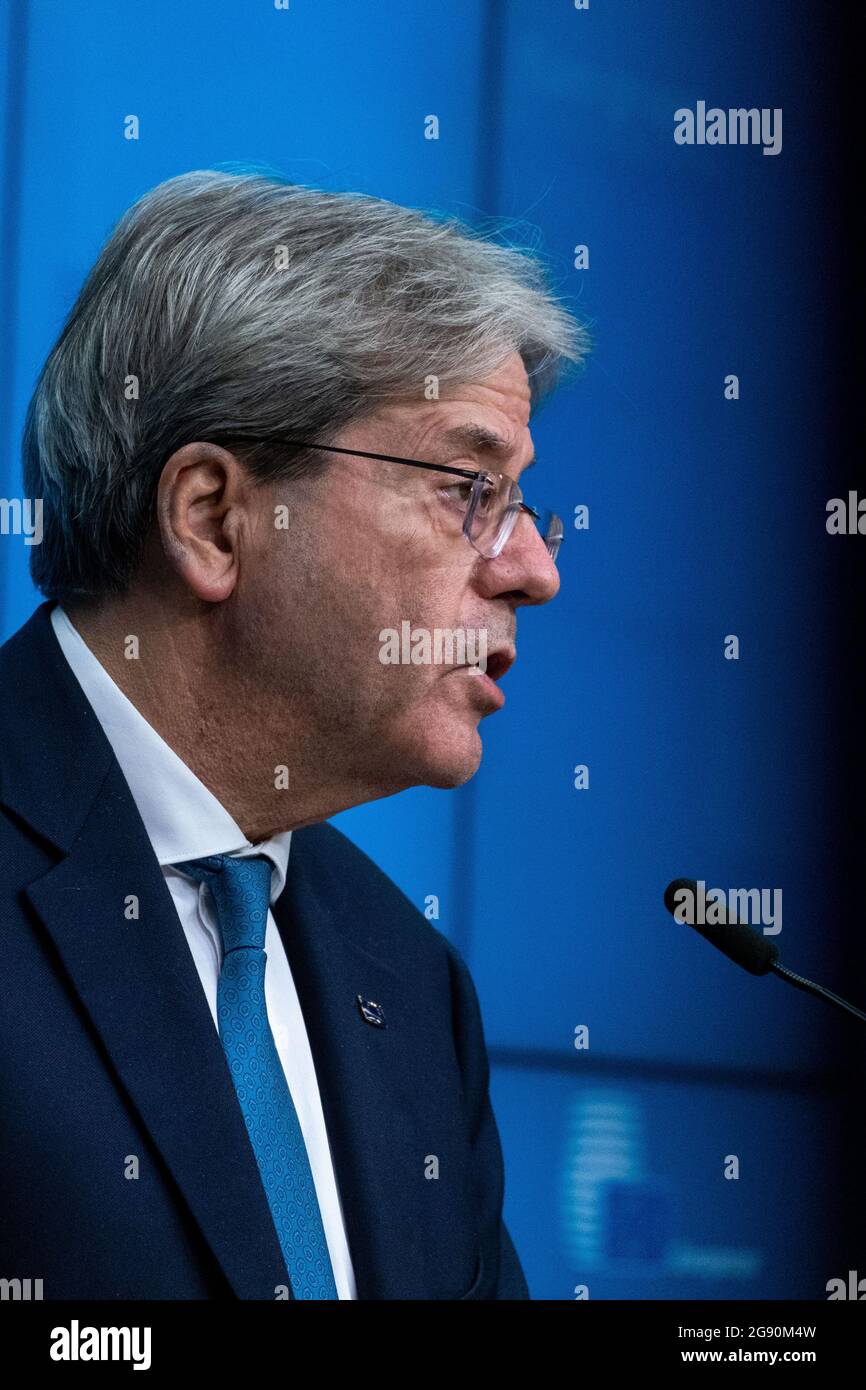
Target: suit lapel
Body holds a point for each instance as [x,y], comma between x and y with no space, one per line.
[383,1107]
[139,985]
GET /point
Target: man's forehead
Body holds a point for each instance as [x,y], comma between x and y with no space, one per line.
[488,417]
[506,389]
[481,438]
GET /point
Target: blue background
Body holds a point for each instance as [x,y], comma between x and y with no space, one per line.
[706,518]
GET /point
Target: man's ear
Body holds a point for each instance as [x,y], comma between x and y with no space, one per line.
[202,503]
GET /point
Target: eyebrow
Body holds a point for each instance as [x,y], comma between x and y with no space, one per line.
[480,439]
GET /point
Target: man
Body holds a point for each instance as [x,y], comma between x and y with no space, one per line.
[242,440]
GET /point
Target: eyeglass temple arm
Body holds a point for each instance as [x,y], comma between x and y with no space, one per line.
[389,458]
[472,473]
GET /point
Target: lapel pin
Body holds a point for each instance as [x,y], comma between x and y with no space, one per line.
[370,1012]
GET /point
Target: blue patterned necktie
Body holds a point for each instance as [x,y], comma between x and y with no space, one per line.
[241,893]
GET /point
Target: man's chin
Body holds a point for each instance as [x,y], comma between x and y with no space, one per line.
[455,776]
[448,763]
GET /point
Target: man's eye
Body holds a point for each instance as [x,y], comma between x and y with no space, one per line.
[461,493]
[458,493]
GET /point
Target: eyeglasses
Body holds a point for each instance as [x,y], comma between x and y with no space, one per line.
[490,506]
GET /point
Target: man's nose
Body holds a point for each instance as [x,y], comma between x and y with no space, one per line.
[523,567]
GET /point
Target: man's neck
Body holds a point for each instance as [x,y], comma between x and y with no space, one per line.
[167,667]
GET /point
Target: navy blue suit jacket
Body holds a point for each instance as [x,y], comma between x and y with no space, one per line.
[108,1049]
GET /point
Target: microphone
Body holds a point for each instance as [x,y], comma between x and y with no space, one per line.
[743,945]
[737,941]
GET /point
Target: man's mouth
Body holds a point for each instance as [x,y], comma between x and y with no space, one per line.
[498,662]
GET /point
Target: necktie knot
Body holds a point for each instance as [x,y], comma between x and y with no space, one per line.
[241,888]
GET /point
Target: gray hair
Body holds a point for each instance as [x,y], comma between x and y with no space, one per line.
[239,302]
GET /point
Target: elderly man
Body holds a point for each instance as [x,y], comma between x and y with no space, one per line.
[278,423]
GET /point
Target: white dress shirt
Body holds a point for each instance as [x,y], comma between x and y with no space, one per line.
[184,820]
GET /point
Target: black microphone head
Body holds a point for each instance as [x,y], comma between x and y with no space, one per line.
[739,942]
[672,901]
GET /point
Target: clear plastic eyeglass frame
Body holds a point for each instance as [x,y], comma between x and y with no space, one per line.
[492,508]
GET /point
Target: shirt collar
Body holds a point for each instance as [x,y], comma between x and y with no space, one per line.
[183,819]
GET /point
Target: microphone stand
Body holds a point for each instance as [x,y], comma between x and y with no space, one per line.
[800,982]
